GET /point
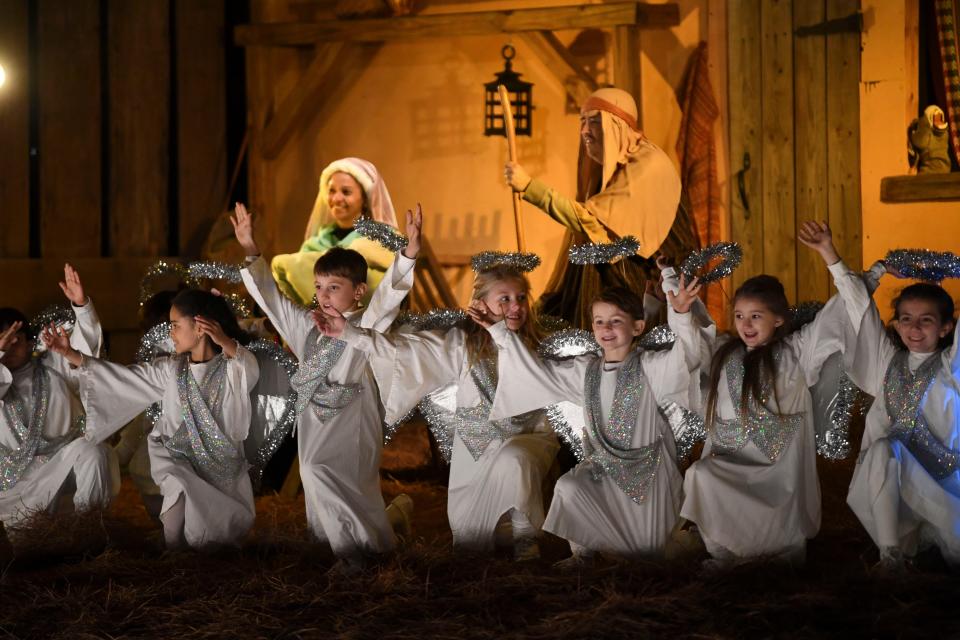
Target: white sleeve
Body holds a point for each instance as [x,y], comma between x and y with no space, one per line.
[113,394]
[292,321]
[526,382]
[385,301]
[817,340]
[852,289]
[243,371]
[411,364]
[868,352]
[6,378]
[87,336]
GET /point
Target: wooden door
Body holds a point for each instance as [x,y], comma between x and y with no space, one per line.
[794,72]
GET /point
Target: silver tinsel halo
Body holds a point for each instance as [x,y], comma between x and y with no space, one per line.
[433,319]
[522,262]
[215,271]
[551,324]
[150,342]
[730,255]
[163,268]
[922,264]
[381,233]
[604,252]
[660,337]
[804,313]
[192,275]
[568,343]
[56,314]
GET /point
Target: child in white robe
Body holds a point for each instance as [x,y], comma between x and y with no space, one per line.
[42,420]
[906,486]
[624,497]
[497,467]
[196,446]
[340,432]
[754,491]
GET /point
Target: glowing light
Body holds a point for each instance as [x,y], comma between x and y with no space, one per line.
[3,75]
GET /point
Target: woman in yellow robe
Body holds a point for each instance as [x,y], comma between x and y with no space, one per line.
[349,188]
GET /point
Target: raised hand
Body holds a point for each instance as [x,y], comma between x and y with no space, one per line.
[8,337]
[517,177]
[686,296]
[242,222]
[56,340]
[414,230]
[213,330]
[329,321]
[72,287]
[483,315]
[817,236]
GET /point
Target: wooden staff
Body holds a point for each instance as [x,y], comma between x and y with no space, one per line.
[512,146]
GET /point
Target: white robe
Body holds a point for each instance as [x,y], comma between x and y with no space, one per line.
[743,503]
[929,509]
[93,467]
[509,473]
[114,394]
[340,458]
[597,514]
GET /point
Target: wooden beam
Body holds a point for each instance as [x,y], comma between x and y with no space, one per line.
[639,14]
[779,213]
[843,136]
[925,187]
[746,108]
[201,120]
[313,89]
[810,154]
[626,65]
[560,62]
[15,130]
[139,63]
[69,80]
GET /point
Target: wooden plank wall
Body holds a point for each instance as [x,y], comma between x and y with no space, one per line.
[15,130]
[128,163]
[794,107]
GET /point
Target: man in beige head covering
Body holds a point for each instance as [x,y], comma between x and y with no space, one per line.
[626,186]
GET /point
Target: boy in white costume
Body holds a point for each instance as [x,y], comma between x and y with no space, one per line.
[625,496]
[196,446]
[754,491]
[42,420]
[340,433]
[906,486]
[497,467]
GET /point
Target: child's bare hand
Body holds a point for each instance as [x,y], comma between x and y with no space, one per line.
[414,231]
[242,222]
[483,315]
[8,337]
[817,236]
[72,287]
[686,296]
[329,321]
[56,339]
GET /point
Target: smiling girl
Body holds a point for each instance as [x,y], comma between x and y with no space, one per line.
[624,496]
[754,491]
[196,447]
[498,466]
[906,486]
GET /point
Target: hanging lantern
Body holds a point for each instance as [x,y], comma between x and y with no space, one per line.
[521,97]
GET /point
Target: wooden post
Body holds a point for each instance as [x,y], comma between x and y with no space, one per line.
[810,77]
[512,146]
[15,131]
[626,65]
